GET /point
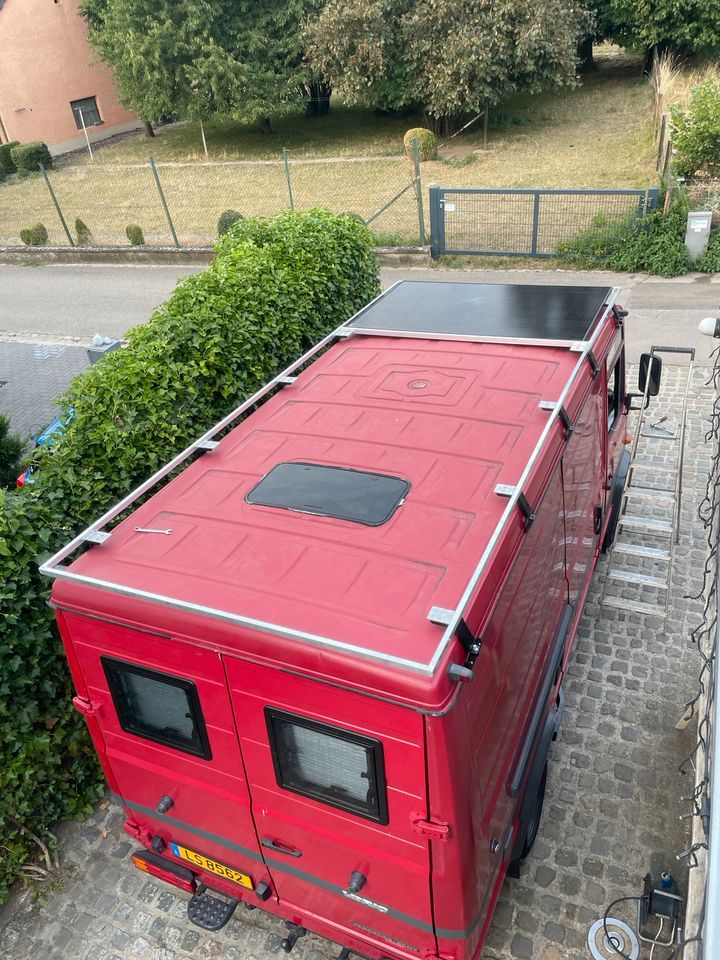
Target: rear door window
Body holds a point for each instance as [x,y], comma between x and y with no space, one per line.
[158,707]
[337,767]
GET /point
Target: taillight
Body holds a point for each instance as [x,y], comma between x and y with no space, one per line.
[164,870]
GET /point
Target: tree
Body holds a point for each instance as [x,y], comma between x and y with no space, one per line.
[686,27]
[236,58]
[450,56]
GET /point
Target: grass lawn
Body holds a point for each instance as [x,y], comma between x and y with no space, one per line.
[597,135]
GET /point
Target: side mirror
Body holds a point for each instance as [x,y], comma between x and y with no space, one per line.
[649,375]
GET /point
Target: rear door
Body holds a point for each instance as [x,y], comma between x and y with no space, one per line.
[163,712]
[336,781]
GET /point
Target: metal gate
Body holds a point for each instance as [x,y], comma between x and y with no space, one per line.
[530,222]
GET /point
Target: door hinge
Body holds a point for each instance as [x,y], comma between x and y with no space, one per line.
[86,707]
[432,828]
[137,831]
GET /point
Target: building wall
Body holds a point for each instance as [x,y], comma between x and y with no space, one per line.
[45,63]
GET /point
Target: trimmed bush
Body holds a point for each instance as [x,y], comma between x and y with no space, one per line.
[35,235]
[226,220]
[427,143]
[27,157]
[135,235]
[6,161]
[11,448]
[82,231]
[274,287]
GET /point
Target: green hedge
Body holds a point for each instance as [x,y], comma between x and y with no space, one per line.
[27,157]
[6,161]
[275,287]
[653,244]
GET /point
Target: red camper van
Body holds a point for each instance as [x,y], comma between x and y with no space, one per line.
[322,666]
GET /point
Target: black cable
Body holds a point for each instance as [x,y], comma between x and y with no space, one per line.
[605,927]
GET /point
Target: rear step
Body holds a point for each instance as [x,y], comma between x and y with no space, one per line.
[634,606]
[635,550]
[208,912]
[634,576]
[648,524]
[656,493]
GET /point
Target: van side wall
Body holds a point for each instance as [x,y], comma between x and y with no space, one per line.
[490,724]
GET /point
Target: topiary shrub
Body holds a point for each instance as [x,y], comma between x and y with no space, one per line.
[6,161]
[135,235]
[226,220]
[27,157]
[696,131]
[82,231]
[11,448]
[273,287]
[427,143]
[35,235]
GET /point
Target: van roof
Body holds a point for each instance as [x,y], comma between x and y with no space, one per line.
[361,495]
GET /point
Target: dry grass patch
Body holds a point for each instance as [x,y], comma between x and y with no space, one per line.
[598,135]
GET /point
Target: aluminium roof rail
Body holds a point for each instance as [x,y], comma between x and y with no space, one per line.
[94,534]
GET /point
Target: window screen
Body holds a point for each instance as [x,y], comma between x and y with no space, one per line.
[356,495]
[89,109]
[337,767]
[158,707]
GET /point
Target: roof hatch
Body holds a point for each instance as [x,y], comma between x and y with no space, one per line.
[339,492]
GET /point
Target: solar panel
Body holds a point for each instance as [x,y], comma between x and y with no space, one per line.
[539,313]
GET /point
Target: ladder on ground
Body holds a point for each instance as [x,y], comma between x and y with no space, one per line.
[640,563]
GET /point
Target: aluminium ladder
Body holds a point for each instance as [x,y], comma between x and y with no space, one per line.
[640,563]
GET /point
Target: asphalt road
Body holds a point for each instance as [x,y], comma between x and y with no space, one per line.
[61,302]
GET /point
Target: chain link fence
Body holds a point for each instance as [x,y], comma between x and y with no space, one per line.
[180,203]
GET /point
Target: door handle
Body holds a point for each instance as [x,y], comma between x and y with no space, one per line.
[277,846]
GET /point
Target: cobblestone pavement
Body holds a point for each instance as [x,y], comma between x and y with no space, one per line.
[35,374]
[611,812]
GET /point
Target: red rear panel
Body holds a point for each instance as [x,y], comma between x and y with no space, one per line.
[316,844]
[210,812]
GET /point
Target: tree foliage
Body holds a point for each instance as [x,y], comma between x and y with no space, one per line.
[684,26]
[449,56]
[696,131]
[236,58]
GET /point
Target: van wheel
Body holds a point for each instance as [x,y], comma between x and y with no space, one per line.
[616,493]
[530,826]
[534,816]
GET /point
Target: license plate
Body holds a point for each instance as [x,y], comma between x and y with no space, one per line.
[212,866]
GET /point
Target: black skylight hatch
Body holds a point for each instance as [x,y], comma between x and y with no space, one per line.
[339,492]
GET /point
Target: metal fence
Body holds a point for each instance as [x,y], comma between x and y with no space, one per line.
[180,203]
[528,222]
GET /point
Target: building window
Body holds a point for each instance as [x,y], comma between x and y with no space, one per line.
[337,767]
[90,113]
[158,707]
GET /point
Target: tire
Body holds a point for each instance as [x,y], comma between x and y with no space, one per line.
[618,488]
[534,816]
[529,827]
